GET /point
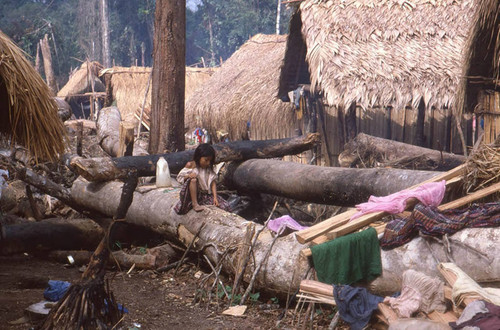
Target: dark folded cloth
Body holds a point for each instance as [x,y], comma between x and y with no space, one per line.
[355,305]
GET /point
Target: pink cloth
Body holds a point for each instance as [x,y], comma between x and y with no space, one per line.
[429,194]
[280,224]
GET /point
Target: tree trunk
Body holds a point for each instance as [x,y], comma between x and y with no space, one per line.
[47,64]
[167,115]
[105,169]
[284,267]
[106,55]
[369,147]
[324,185]
[50,234]
[108,132]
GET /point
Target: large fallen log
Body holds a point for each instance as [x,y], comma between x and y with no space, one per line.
[49,234]
[324,185]
[106,169]
[366,149]
[284,266]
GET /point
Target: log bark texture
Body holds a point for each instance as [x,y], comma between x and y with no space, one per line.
[108,132]
[324,185]
[223,230]
[50,234]
[105,169]
[388,151]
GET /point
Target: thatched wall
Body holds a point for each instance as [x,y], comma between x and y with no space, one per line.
[244,90]
[129,85]
[28,112]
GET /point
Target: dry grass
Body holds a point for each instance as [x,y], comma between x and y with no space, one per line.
[129,85]
[483,167]
[386,52]
[245,90]
[28,112]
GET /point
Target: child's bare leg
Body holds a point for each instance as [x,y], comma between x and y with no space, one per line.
[193,192]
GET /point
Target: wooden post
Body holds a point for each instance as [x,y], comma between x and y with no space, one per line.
[47,64]
[79,138]
[126,139]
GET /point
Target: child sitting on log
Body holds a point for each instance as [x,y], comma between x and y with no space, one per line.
[198,181]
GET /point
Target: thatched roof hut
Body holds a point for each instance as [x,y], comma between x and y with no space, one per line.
[81,81]
[28,112]
[381,53]
[244,91]
[129,84]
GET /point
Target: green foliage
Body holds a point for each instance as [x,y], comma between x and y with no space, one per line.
[275,300]
[213,31]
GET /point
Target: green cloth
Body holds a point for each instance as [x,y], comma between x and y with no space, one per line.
[349,258]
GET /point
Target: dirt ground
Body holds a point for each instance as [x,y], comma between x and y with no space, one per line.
[154,301]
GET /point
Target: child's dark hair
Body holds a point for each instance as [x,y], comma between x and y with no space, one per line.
[204,150]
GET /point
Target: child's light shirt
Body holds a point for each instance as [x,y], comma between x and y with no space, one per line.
[205,177]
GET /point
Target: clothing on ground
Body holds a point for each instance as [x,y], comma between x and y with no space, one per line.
[281,224]
[355,305]
[185,204]
[349,258]
[419,293]
[56,290]
[430,221]
[429,194]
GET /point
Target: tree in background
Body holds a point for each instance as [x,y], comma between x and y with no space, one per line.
[169,70]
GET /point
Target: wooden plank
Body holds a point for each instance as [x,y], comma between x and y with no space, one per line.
[446,318]
[471,198]
[327,225]
[389,314]
[311,286]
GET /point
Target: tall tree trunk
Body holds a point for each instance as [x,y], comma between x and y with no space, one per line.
[106,55]
[278,14]
[167,115]
[47,64]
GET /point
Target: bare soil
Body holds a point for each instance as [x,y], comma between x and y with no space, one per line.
[154,301]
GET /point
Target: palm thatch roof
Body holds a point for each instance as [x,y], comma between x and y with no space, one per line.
[382,52]
[129,84]
[244,90]
[81,81]
[28,112]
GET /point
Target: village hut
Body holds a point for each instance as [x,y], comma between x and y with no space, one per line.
[84,91]
[127,87]
[240,98]
[28,111]
[389,68]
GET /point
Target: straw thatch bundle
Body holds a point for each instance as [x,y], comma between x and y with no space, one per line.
[244,90]
[384,52]
[28,113]
[81,81]
[129,85]
[482,167]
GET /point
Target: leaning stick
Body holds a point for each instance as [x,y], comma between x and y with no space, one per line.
[216,274]
[256,271]
[188,248]
[250,251]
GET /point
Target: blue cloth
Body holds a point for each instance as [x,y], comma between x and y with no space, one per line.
[56,290]
[355,305]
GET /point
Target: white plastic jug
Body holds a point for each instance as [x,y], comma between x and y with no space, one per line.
[163,179]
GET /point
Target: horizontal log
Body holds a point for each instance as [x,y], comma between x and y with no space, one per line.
[50,234]
[106,169]
[317,184]
[222,231]
[389,151]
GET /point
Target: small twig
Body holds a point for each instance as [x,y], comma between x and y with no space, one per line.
[216,274]
[256,271]
[334,322]
[189,248]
